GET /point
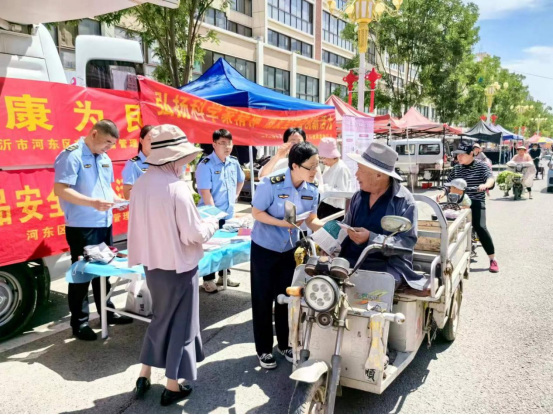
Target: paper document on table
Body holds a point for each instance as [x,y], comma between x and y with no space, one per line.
[211,212]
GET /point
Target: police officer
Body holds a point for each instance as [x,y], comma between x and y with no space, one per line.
[274,243]
[83,177]
[135,167]
[220,179]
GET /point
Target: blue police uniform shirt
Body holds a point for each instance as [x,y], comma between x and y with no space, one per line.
[134,168]
[90,175]
[222,179]
[270,195]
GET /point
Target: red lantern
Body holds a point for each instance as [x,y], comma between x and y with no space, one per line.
[494,119]
[350,79]
[372,78]
[483,117]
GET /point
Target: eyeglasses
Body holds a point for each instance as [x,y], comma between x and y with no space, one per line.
[314,168]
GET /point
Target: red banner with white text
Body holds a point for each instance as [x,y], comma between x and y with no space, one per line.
[31,220]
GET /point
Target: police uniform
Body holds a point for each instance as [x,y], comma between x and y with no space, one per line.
[272,255]
[90,175]
[221,178]
[134,168]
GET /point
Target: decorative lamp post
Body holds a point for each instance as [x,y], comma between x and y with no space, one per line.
[363,12]
[538,120]
[490,92]
[372,78]
[350,79]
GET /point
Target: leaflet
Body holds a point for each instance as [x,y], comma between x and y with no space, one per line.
[211,212]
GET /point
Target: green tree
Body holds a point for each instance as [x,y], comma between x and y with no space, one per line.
[175,32]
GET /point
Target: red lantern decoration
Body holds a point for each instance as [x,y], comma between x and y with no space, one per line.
[372,77]
[494,119]
[483,117]
[350,79]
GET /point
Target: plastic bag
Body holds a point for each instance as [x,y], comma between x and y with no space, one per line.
[139,299]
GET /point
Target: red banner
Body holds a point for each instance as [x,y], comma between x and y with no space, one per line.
[31,220]
[39,119]
[198,118]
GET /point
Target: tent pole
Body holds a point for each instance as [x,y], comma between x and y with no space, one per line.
[252,173]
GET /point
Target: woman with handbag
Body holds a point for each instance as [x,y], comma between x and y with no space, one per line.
[166,236]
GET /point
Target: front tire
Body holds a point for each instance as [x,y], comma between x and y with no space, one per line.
[308,398]
[18,299]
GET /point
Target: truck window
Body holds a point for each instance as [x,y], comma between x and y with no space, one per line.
[110,74]
[402,150]
[429,149]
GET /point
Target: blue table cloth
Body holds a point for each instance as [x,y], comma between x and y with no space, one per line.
[224,257]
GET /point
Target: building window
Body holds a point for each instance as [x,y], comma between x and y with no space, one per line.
[276,79]
[333,59]
[381,111]
[288,43]
[295,13]
[332,31]
[89,27]
[336,89]
[218,18]
[242,6]
[244,67]
[372,54]
[307,88]
[122,33]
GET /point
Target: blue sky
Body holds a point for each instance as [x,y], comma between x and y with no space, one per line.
[520,32]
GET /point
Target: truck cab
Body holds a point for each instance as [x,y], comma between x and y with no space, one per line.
[425,156]
[27,51]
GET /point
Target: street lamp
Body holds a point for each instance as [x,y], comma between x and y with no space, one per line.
[521,109]
[538,120]
[364,12]
[490,92]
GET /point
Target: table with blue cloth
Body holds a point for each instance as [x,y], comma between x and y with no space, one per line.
[219,259]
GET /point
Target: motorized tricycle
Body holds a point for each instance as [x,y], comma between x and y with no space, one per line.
[524,177]
[340,317]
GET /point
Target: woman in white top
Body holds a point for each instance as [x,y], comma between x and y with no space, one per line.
[280,160]
[336,177]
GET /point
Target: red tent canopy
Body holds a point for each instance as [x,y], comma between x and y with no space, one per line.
[534,139]
[416,122]
[380,122]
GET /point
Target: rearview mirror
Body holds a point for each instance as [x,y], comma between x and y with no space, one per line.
[396,224]
[290,212]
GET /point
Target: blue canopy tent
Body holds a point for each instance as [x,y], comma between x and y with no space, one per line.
[507,135]
[224,85]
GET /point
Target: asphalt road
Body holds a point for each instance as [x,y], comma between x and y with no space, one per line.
[501,361]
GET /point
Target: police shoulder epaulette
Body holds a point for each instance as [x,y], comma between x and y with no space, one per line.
[205,160]
[136,158]
[315,183]
[234,157]
[278,179]
[72,147]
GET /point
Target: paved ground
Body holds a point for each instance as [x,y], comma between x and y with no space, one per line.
[502,360]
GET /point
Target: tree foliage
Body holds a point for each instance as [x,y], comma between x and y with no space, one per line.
[174,32]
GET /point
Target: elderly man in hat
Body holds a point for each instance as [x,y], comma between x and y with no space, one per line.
[381,194]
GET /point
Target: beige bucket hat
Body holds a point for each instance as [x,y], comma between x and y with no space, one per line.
[169,143]
[378,157]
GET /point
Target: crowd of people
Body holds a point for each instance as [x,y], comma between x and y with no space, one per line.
[166,231]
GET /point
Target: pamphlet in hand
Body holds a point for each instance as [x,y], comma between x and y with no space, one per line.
[211,212]
[120,205]
[303,216]
[330,237]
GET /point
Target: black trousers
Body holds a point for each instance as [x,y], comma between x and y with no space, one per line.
[271,274]
[325,210]
[78,238]
[478,209]
[537,164]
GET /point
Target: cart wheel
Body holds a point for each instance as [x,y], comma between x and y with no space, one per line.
[449,332]
[308,398]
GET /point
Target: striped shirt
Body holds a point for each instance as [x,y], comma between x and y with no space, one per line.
[475,174]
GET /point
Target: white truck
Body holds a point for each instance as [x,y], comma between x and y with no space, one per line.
[27,51]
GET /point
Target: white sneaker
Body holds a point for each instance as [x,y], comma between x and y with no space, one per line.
[230,283]
[210,287]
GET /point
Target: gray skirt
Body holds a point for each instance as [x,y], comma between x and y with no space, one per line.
[173,338]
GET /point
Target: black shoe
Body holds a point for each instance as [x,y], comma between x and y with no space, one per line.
[85,333]
[142,386]
[168,397]
[119,319]
[288,353]
[267,361]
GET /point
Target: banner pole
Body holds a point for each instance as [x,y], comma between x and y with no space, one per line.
[252,173]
